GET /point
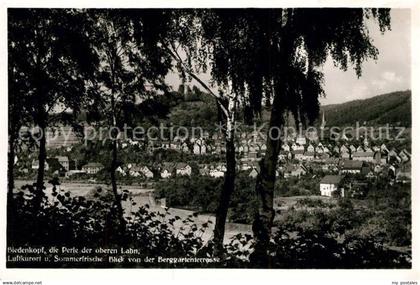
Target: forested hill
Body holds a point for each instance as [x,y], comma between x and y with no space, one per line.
[393,108]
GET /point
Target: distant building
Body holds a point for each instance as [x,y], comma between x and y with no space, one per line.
[403,173]
[344,149]
[308,156]
[253,173]
[363,156]
[35,165]
[298,154]
[331,164]
[285,147]
[330,184]
[352,166]
[92,167]
[404,155]
[218,171]
[167,170]
[301,140]
[345,155]
[141,170]
[183,169]
[310,148]
[295,170]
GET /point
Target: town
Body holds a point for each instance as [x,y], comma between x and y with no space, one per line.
[299,157]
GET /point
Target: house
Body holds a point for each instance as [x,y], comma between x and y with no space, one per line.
[331,164]
[368,149]
[263,148]
[197,148]
[403,173]
[352,166]
[345,155]
[64,161]
[183,168]
[141,170]
[301,140]
[363,156]
[203,169]
[320,149]
[366,142]
[360,149]
[253,173]
[92,167]
[284,155]
[344,149]
[285,147]
[298,154]
[218,171]
[379,158]
[384,148]
[121,170]
[322,157]
[167,170]
[308,156]
[300,147]
[330,184]
[294,170]
[35,165]
[405,155]
[310,148]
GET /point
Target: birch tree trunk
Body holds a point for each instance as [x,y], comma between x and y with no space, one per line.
[114,161]
[42,156]
[229,178]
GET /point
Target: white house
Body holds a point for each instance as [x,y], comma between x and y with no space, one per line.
[183,169]
[310,148]
[218,171]
[166,170]
[121,170]
[285,147]
[141,170]
[92,167]
[301,140]
[329,184]
[344,149]
[253,173]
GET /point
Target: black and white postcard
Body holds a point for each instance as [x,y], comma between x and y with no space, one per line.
[211,138]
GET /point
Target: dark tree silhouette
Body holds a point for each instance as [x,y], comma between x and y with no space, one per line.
[50,58]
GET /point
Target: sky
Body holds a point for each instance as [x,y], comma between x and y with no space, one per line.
[390,72]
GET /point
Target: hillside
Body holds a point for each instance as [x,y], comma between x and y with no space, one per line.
[393,108]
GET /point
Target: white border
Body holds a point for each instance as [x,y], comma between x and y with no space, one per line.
[210,276]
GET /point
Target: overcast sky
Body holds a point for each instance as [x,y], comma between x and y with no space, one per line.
[391,72]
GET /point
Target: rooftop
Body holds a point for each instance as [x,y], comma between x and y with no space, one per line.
[331,179]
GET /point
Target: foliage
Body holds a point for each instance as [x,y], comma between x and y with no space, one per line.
[392,108]
[321,239]
[202,193]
